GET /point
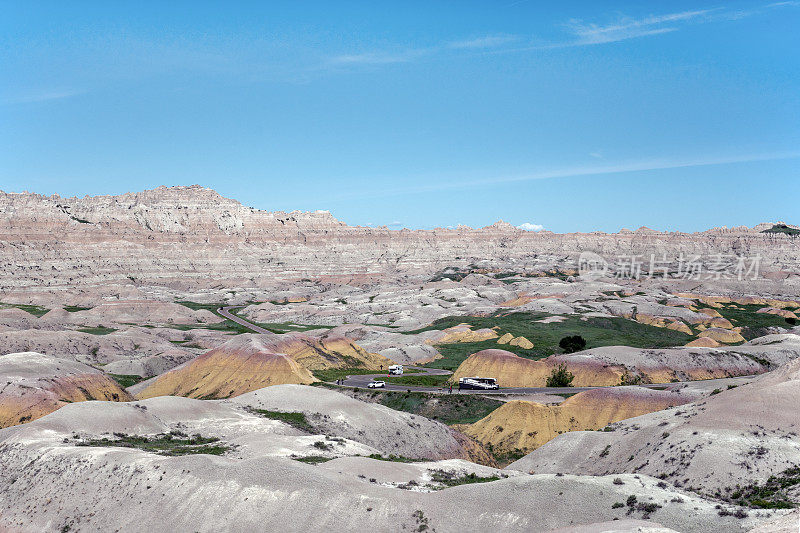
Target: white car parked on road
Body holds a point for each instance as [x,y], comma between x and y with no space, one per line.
[376,385]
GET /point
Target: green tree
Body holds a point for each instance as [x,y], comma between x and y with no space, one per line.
[572,343]
[560,377]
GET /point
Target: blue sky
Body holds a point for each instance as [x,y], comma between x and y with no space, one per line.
[574,116]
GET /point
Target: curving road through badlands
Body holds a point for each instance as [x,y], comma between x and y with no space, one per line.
[361,381]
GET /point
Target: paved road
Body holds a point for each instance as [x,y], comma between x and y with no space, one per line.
[361,381]
[225,311]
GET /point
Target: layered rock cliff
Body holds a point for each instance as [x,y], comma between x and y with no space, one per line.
[191,235]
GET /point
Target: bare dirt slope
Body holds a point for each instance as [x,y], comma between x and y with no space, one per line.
[739,436]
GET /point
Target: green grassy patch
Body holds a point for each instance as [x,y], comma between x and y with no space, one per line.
[126,380]
[169,444]
[451,479]
[313,459]
[446,408]
[75,308]
[772,494]
[395,458]
[754,323]
[419,381]
[99,330]
[332,374]
[598,331]
[35,310]
[296,420]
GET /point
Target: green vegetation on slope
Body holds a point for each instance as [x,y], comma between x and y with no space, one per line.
[35,310]
[295,419]
[446,408]
[782,228]
[99,330]
[451,479]
[774,493]
[126,380]
[75,308]
[597,331]
[753,322]
[170,444]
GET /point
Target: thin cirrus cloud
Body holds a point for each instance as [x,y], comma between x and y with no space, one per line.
[575,172]
[489,41]
[41,96]
[628,28]
[580,33]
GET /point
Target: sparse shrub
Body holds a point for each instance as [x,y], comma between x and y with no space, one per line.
[605,451]
[618,481]
[631,501]
[560,377]
[572,343]
[715,391]
[617,505]
[629,379]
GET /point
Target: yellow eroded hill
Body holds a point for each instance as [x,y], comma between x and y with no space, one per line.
[251,362]
[510,370]
[525,426]
[20,403]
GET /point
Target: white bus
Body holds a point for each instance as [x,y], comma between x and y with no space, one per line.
[478,383]
[396,370]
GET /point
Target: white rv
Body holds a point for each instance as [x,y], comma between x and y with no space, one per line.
[396,370]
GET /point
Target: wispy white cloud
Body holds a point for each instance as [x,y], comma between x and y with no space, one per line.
[629,28]
[597,154]
[579,33]
[527,226]
[374,58]
[574,172]
[489,41]
[41,96]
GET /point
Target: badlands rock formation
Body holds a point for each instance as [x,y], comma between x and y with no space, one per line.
[525,426]
[51,480]
[34,385]
[178,235]
[249,362]
[740,436]
[607,365]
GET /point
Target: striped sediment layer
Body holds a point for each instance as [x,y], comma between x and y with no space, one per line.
[250,362]
[510,370]
[525,426]
[606,365]
[35,385]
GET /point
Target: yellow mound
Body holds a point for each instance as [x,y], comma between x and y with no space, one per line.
[505,339]
[522,342]
[462,333]
[521,425]
[785,313]
[221,374]
[510,370]
[20,403]
[724,336]
[518,301]
[663,322]
[251,362]
[703,342]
